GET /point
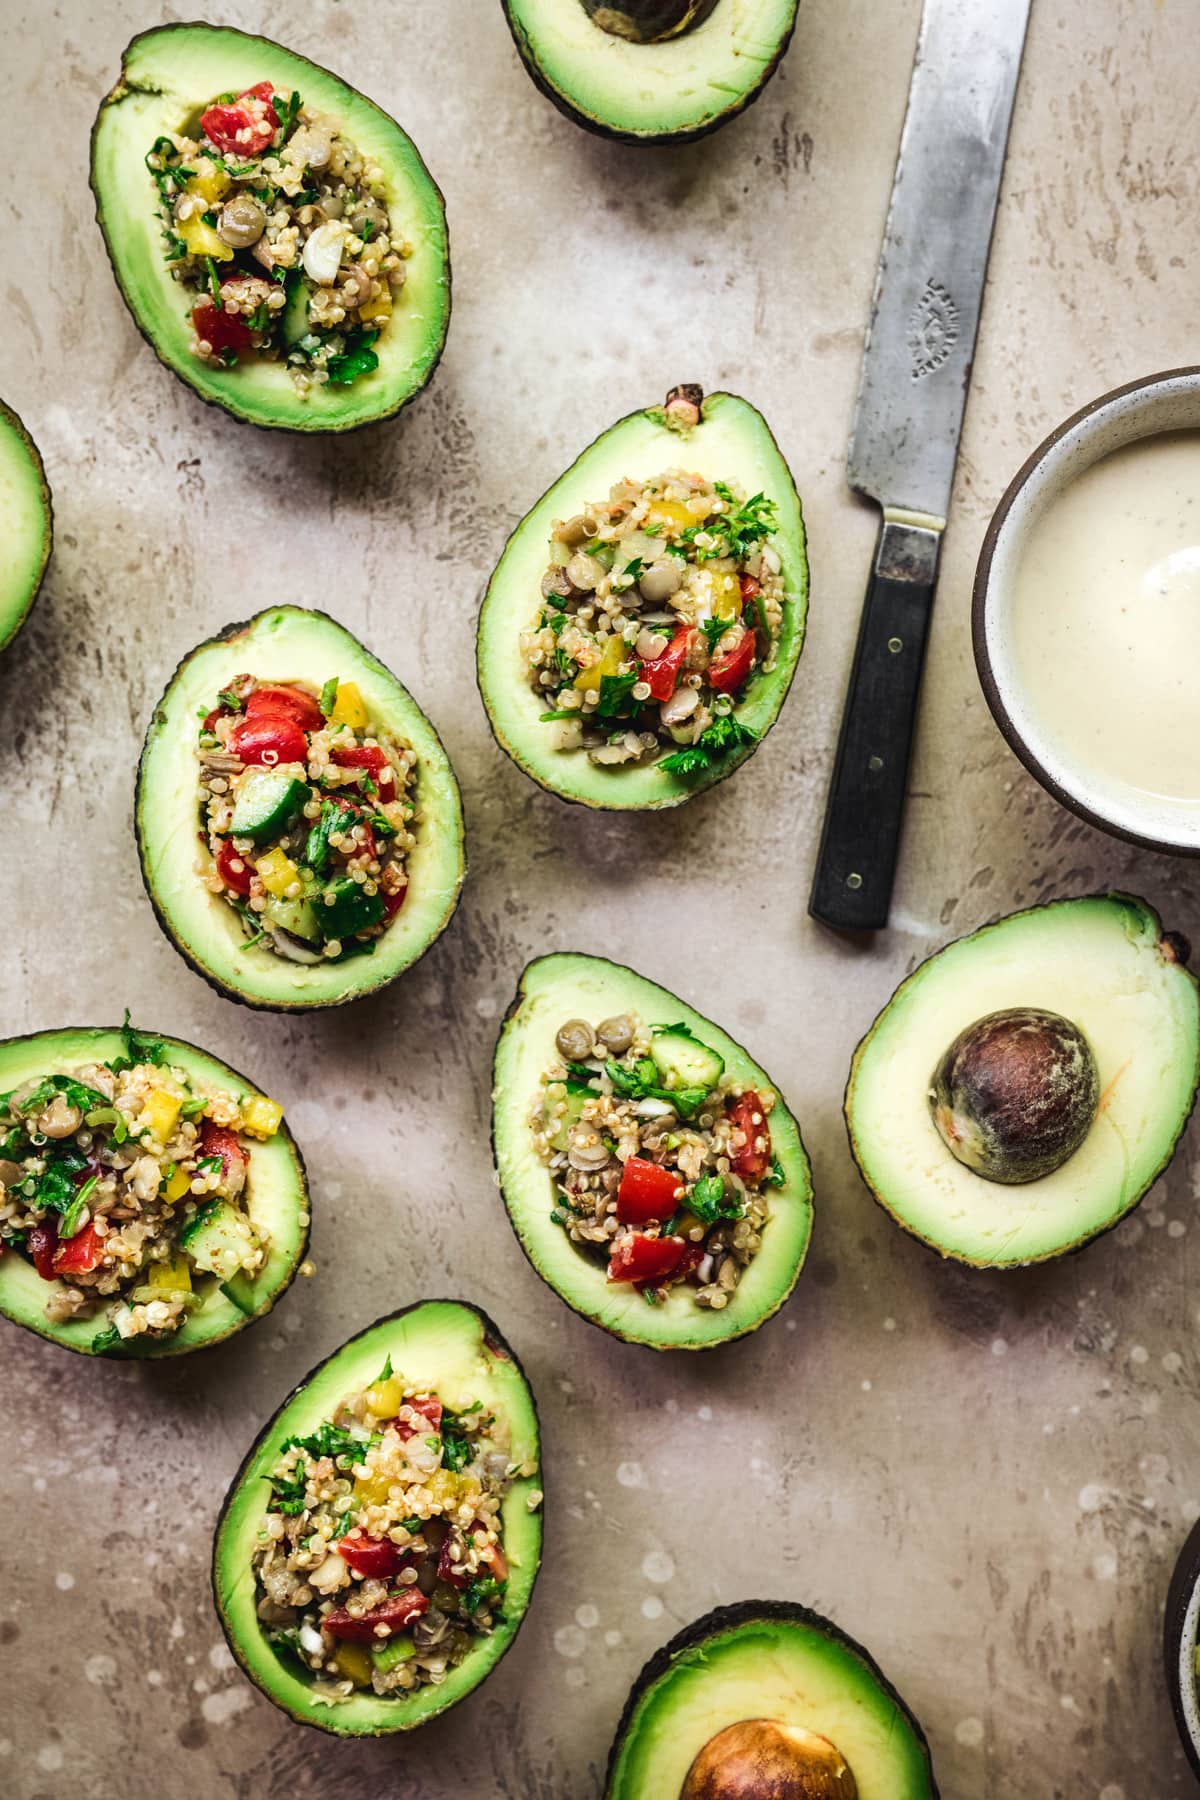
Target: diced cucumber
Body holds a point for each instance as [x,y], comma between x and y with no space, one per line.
[218,1239]
[297,916]
[267,800]
[578,1093]
[352,910]
[295,314]
[241,1290]
[395,1650]
[683,1061]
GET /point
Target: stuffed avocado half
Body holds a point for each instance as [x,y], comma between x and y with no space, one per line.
[1025,1086]
[26,524]
[651,71]
[151,1200]
[643,625]
[767,1698]
[298,820]
[412,1454]
[650,1169]
[276,236]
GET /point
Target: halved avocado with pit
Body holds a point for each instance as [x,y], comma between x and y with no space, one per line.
[651,71]
[565,986]
[732,442]
[453,1350]
[26,523]
[818,1716]
[1103,963]
[167,75]
[284,644]
[276,1200]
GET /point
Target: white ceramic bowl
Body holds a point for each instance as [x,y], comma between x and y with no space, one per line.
[1160,403]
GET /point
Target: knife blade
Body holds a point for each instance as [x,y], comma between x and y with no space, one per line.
[904,445]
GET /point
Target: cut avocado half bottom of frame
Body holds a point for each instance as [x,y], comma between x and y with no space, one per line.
[26,523]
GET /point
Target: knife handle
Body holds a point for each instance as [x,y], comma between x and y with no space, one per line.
[856,863]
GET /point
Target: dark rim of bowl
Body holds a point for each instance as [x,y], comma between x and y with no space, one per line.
[983,579]
[1184,1580]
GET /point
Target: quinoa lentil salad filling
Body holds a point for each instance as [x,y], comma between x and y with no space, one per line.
[280,233]
[661,1166]
[380,1562]
[660,604]
[307,815]
[124,1184]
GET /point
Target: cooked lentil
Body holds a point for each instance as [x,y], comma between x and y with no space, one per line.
[380,1560]
[659,605]
[280,232]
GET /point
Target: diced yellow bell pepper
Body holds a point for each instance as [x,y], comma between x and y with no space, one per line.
[726,593]
[615,652]
[379,306]
[370,1487]
[159,1114]
[178,1185]
[261,1117]
[443,1486]
[202,240]
[210,181]
[277,871]
[385,1398]
[348,707]
[671,512]
[353,1663]
[173,1276]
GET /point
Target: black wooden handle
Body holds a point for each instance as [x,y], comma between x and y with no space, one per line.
[856,863]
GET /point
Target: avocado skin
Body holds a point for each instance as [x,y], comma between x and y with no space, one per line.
[1179,949]
[147,1350]
[225,635]
[723,1621]
[686,788]
[12,423]
[499,1346]
[601,128]
[340,427]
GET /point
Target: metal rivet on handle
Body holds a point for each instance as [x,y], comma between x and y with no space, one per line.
[875,764]
[854,881]
[895,645]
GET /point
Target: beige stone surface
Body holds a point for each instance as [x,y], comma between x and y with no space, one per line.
[984,1478]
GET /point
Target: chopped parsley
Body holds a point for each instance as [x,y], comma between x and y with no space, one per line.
[710,1202]
[614,692]
[356,359]
[724,735]
[328,698]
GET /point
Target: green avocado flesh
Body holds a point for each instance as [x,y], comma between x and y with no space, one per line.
[276,1202]
[25,523]
[732,442]
[166,75]
[552,990]
[287,644]
[679,88]
[1101,962]
[766,1661]
[451,1349]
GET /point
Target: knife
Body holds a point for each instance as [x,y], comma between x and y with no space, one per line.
[915,373]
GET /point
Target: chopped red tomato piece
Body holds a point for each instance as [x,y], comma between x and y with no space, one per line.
[647,1260]
[84,1251]
[269,738]
[496,1561]
[453,1550]
[429,1407]
[219,329]
[286,703]
[393,902]
[753,1158]
[751,588]
[662,674]
[647,1191]
[233,868]
[396,1612]
[375,1558]
[365,756]
[245,127]
[216,1141]
[729,668]
[43,1242]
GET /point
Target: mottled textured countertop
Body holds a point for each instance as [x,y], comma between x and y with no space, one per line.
[984,1478]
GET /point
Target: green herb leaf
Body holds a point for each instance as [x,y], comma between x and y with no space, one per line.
[140,1047]
[724,735]
[714,630]
[480,1591]
[614,692]
[357,359]
[385,1374]
[69,1223]
[709,1201]
[328,699]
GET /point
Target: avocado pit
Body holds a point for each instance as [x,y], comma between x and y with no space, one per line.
[648,21]
[1015,1094]
[763,1759]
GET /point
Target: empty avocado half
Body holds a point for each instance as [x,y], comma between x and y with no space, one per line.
[26,524]
[718,439]
[224,939]
[651,71]
[450,1351]
[169,76]
[1024,1087]
[766,1699]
